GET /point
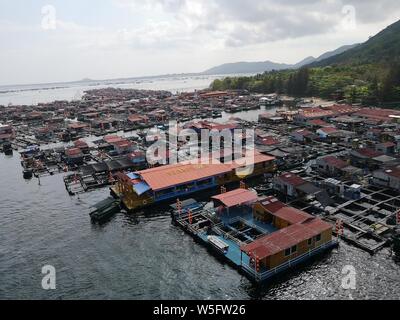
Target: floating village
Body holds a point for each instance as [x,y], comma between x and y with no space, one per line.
[321,172]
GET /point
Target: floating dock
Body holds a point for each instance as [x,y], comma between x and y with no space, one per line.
[259,243]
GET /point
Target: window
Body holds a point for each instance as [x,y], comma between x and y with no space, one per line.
[294,249]
[287,252]
[318,238]
[309,242]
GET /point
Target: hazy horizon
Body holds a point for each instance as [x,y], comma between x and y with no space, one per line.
[57,42]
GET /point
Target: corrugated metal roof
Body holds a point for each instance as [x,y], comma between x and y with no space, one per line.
[272,205]
[286,238]
[291,179]
[176,174]
[292,215]
[237,197]
[141,188]
[335,162]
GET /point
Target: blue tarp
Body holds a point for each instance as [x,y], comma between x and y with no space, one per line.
[133,176]
[141,188]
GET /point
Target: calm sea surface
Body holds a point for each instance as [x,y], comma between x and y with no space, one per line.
[34,94]
[143,256]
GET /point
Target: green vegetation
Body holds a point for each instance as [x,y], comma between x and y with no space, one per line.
[368,84]
[368,74]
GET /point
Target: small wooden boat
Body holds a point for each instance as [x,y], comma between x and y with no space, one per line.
[104,209]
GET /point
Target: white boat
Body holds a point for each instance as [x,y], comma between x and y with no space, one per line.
[218,244]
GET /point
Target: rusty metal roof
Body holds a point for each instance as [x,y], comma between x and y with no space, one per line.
[285,238]
[237,197]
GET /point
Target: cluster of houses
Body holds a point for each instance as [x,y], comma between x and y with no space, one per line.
[105,111]
[368,140]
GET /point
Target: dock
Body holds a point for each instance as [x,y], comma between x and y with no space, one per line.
[236,235]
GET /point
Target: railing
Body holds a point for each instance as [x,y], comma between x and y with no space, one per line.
[228,236]
[261,276]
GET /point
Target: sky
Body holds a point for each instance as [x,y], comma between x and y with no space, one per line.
[57,40]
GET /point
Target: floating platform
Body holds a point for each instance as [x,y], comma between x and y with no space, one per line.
[226,235]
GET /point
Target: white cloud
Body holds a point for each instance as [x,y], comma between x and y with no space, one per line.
[168,36]
[241,23]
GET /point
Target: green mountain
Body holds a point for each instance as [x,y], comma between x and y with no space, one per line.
[368,73]
[381,49]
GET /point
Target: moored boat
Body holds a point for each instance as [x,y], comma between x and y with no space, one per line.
[104,209]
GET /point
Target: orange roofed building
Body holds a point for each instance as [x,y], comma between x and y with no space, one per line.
[178,180]
[298,233]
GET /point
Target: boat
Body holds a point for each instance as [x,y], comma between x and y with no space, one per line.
[218,244]
[104,209]
[28,174]
[7,148]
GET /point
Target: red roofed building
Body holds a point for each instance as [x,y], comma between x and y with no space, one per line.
[367,153]
[270,205]
[298,234]
[364,157]
[208,125]
[136,119]
[73,156]
[82,145]
[78,126]
[378,115]
[317,123]
[324,113]
[287,184]
[112,138]
[235,198]
[268,141]
[123,146]
[331,165]
[287,216]
[389,178]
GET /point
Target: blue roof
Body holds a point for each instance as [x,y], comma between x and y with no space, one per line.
[141,188]
[133,176]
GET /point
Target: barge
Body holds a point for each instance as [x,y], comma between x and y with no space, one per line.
[259,236]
